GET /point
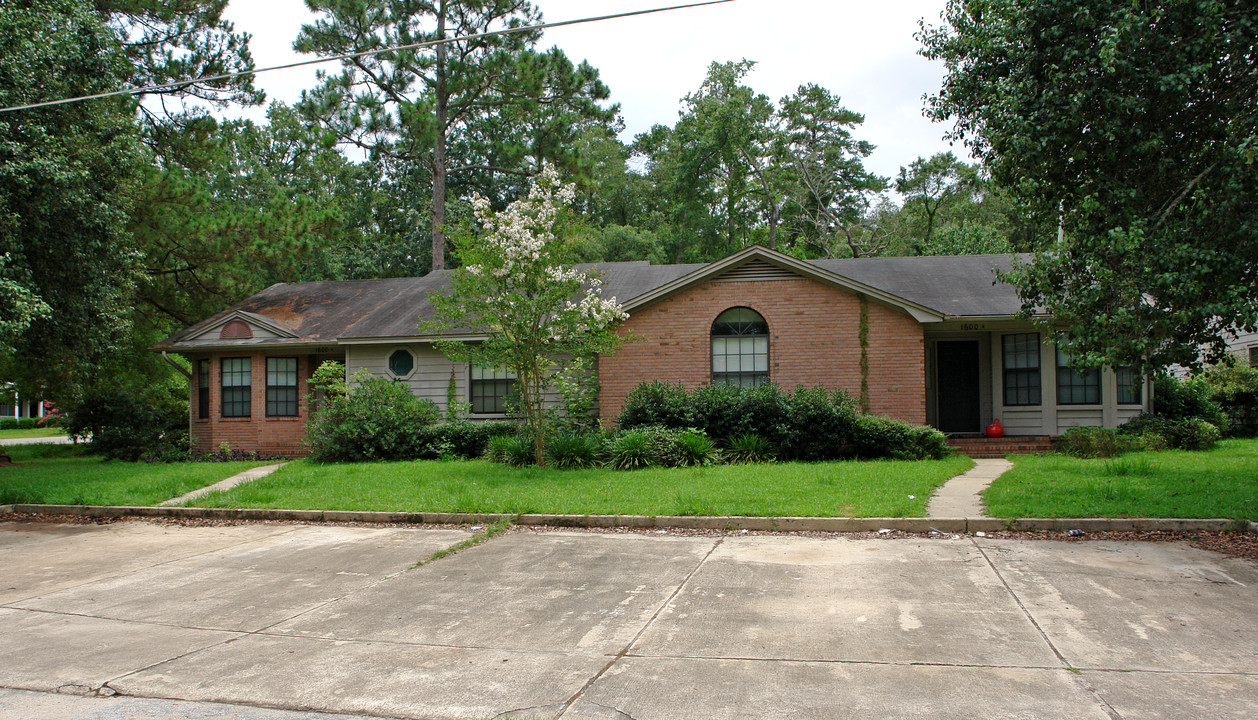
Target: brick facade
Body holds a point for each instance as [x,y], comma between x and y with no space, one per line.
[813,340]
[282,435]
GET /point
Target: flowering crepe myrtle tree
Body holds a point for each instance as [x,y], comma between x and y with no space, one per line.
[514,289]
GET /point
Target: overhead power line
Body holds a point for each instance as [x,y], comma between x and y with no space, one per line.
[364,53]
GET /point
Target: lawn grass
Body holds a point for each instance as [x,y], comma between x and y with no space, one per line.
[1217,483]
[860,489]
[63,475]
[31,433]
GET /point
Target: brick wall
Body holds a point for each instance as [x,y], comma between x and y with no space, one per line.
[813,340]
[281,435]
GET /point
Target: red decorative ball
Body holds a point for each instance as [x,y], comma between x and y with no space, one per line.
[995,430]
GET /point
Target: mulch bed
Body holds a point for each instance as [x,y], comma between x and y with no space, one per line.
[1231,544]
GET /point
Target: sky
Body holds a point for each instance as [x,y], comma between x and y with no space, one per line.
[862,51]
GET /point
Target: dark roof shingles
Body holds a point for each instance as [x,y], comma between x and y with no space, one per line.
[962,285]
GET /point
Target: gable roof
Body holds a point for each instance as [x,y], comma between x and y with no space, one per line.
[363,311]
[756,255]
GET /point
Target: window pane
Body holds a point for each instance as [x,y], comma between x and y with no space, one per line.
[203,389]
[1077,387]
[1130,391]
[740,348]
[490,389]
[281,387]
[235,398]
[281,401]
[1021,361]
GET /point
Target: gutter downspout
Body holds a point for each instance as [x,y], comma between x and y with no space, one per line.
[177,366]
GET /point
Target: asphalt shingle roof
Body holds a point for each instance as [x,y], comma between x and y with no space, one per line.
[963,285]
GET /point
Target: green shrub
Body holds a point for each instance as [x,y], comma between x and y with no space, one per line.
[724,411]
[1192,434]
[1234,389]
[1176,399]
[822,425]
[656,403]
[809,424]
[461,439]
[377,419]
[695,448]
[630,451]
[498,448]
[1158,433]
[879,437]
[518,450]
[749,448]
[1095,442]
[130,426]
[574,450]
[19,423]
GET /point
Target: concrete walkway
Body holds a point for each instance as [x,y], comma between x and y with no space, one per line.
[959,497]
[54,440]
[231,482]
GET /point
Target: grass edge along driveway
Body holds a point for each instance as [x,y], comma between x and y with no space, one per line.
[881,488]
[1217,483]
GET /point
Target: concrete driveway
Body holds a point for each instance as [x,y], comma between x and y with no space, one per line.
[248,621]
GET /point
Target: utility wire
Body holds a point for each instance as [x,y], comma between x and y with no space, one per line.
[412,46]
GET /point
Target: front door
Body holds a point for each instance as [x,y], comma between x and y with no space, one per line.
[957,377]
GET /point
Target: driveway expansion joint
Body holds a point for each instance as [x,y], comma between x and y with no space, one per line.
[1078,676]
[638,635]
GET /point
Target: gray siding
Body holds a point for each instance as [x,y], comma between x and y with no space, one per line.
[430,377]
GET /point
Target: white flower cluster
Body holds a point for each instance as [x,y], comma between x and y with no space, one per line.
[595,312]
[519,234]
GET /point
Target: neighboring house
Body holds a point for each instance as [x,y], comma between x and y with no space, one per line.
[14,405]
[1244,346]
[926,339]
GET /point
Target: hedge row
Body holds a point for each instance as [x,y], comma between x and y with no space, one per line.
[809,424]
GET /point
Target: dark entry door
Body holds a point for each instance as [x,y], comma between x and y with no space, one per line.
[957,376]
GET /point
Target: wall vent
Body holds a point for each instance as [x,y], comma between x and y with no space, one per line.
[755,270]
[236,330]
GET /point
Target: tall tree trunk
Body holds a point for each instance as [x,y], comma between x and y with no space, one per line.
[439,153]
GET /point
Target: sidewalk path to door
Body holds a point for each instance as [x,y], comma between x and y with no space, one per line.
[960,497]
[231,482]
[52,440]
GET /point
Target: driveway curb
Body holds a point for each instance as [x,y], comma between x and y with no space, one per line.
[778,524]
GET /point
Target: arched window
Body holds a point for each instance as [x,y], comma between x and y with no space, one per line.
[740,348]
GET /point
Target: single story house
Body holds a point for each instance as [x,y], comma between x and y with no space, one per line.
[929,340]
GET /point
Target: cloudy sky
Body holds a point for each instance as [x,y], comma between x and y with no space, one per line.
[864,52]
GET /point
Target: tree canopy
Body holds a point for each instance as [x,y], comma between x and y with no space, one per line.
[67,175]
[1135,125]
[476,106]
